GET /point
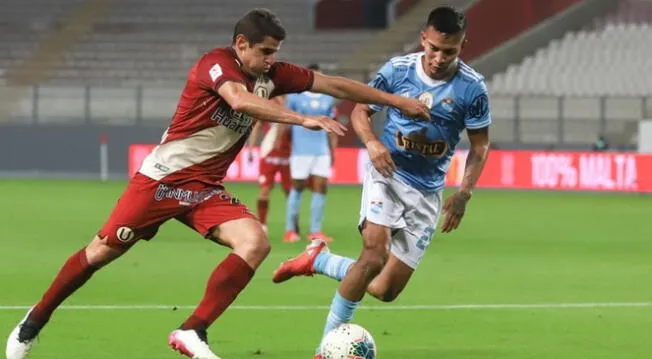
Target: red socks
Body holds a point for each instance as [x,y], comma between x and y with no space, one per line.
[74,274]
[225,283]
[262,206]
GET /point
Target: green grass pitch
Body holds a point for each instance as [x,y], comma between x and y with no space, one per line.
[514,248]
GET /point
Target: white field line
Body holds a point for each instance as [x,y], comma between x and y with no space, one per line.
[375,307]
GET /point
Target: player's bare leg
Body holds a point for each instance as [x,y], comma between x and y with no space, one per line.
[250,247]
[292,210]
[317,259]
[375,252]
[391,281]
[75,272]
[319,187]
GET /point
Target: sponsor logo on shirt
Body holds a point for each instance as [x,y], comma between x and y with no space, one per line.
[417,141]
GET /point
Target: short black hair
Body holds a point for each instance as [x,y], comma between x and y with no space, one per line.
[314,67]
[447,20]
[258,23]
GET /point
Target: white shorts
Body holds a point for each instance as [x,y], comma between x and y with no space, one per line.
[302,167]
[411,214]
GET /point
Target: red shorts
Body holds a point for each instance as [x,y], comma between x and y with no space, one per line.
[147,203]
[269,167]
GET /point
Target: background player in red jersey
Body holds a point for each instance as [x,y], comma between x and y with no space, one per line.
[274,158]
[182,177]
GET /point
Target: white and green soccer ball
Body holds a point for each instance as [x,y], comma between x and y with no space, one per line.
[348,341]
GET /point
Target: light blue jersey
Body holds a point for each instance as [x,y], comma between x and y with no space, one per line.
[307,142]
[423,150]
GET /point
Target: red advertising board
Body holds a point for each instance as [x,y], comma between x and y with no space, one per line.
[574,171]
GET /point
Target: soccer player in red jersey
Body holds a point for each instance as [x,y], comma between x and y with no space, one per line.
[181,178]
[274,158]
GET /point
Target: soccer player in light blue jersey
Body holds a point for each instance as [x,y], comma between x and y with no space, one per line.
[402,190]
[311,158]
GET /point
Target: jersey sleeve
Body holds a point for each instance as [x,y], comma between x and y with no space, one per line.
[382,81]
[214,70]
[333,113]
[477,113]
[289,103]
[289,78]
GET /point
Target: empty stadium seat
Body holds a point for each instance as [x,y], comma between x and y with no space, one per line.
[156,41]
[610,60]
[598,80]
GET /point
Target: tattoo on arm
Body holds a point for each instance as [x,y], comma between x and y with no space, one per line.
[475,160]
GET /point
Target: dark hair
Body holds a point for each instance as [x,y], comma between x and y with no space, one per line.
[258,23]
[447,20]
[314,67]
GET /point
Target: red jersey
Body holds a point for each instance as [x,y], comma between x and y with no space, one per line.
[273,134]
[206,134]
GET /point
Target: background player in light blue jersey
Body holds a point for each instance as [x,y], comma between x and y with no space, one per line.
[401,199]
[311,157]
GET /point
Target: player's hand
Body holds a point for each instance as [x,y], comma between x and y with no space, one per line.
[414,108]
[324,123]
[454,208]
[380,158]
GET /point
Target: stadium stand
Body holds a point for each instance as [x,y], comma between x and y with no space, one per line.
[156,41]
[149,44]
[597,80]
[24,24]
[606,62]
[134,58]
[607,59]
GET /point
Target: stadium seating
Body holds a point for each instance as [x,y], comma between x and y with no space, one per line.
[571,75]
[155,41]
[628,12]
[610,62]
[24,24]
[148,44]
[136,57]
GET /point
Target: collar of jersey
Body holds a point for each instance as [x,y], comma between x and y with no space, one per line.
[425,78]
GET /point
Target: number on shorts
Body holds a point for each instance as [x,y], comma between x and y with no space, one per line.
[426,237]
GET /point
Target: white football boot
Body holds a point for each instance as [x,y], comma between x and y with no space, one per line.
[21,340]
[191,344]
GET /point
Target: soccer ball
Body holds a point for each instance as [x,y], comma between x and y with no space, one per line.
[348,341]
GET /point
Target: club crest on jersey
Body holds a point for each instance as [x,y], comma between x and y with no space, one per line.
[417,141]
[427,99]
[263,87]
[448,103]
[376,206]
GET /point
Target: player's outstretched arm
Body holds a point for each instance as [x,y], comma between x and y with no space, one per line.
[241,100]
[455,205]
[378,154]
[347,89]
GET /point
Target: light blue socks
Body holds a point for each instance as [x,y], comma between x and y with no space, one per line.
[317,211]
[332,265]
[341,312]
[292,210]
